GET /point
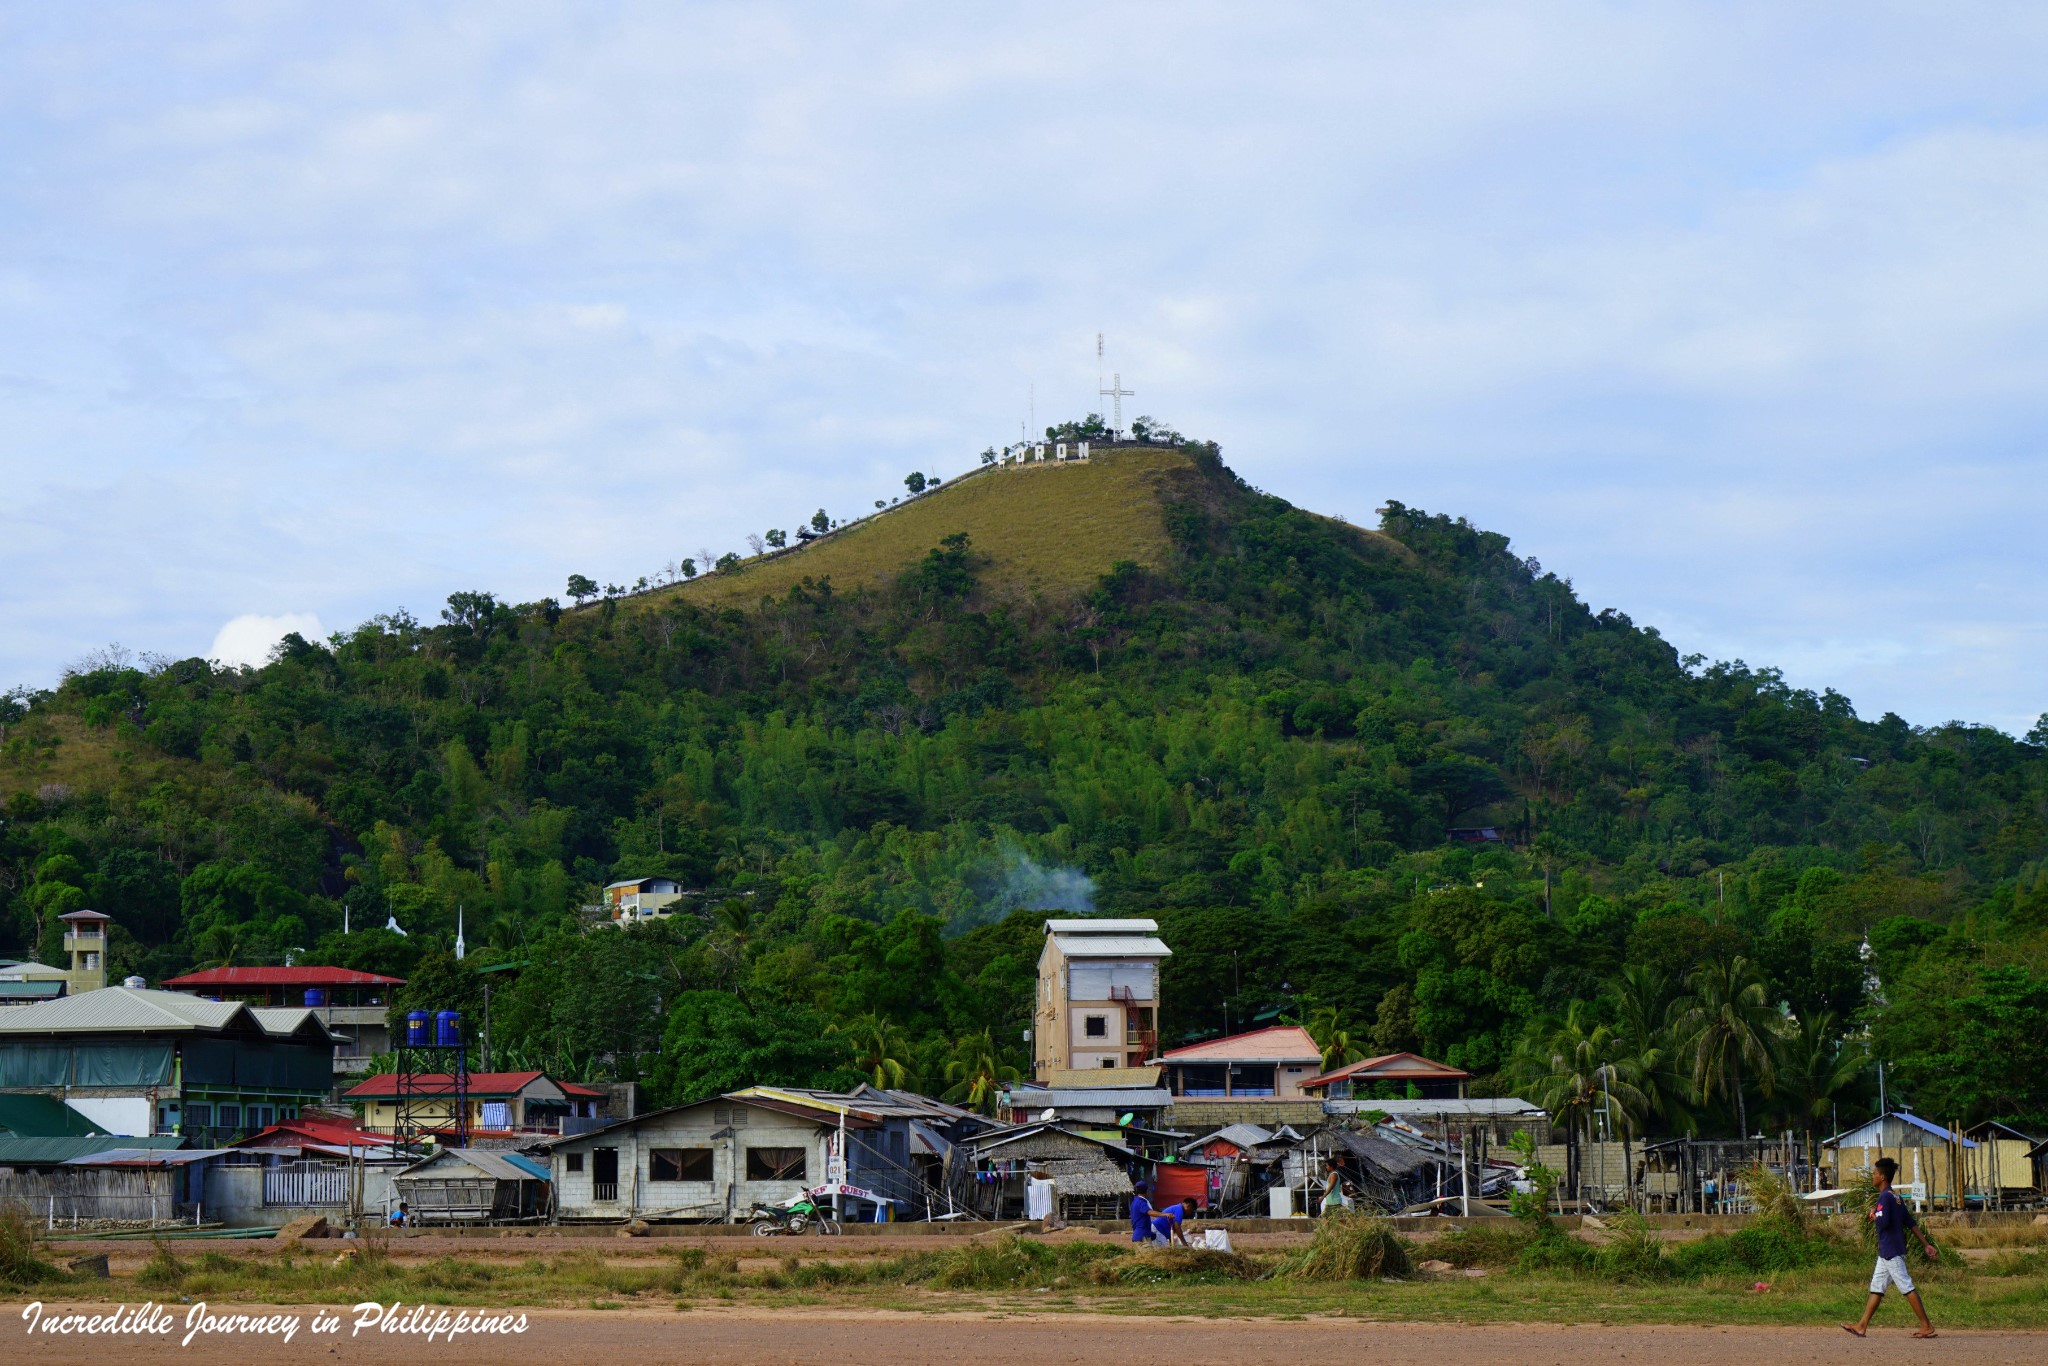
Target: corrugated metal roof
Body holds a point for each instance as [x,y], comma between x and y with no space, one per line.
[1102,926]
[1246,1136]
[20,969]
[42,989]
[120,1010]
[498,1166]
[307,976]
[1276,1043]
[1390,1067]
[1477,1107]
[1089,1098]
[133,1156]
[481,1084]
[1114,946]
[49,1152]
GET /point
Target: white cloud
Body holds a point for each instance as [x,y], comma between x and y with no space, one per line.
[1736,319]
[250,638]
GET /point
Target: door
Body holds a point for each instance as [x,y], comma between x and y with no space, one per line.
[604,1174]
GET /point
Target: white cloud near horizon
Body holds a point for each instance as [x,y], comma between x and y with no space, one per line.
[1735,315]
[250,638]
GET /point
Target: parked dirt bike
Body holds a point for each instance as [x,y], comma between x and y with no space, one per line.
[800,1215]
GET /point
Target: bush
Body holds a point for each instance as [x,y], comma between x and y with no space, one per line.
[163,1270]
[1350,1247]
[1493,1243]
[1632,1252]
[19,1264]
[1179,1265]
[1006,1261]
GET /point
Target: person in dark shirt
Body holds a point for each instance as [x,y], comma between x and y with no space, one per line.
[1892,1218]
[1141,1214]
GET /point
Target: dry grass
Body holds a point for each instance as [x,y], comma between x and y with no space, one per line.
[57,750]
[1045,528]
[1349,1247]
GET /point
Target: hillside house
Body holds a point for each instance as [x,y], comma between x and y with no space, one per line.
[140,1062]
[637,900]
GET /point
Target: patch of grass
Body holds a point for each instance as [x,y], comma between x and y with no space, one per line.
[1175,1265]
[1350,1247]
[1047,528]
[19,1264]
[1491,1243]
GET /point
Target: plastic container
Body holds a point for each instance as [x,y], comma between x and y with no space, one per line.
[316,996]
[448,1029]
[418,1030]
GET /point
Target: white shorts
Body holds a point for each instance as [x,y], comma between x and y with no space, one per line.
[1891,1271]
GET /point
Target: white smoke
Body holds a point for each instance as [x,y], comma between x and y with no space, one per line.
[1028,885]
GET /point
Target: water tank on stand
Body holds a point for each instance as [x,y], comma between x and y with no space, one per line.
[417,1032]
[316,997]
[448,1029]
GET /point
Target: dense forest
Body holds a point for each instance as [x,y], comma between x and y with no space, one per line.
[1721,900]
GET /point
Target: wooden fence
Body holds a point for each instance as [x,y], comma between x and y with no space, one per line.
[74,1194]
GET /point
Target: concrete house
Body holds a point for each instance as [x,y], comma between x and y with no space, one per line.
[635,900]
[1272,1063]
[1098,995]
[497,1101]
[1392,1074]
[710,1161]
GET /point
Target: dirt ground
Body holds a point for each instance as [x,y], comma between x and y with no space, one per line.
[826,1338]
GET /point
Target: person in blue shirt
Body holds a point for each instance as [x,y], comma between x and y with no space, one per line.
[1166,1225]
[1892,1218]
[1141,1214]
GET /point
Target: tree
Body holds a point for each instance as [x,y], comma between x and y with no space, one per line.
[1726,1024]
[716,1043]
[1815,1065]
[689,569]
[777,537]
[756,542]
[988,457]
[729,560]
[1334,1035]
[820,523]
[976,1073]
[881,1052]
[914,481]
[1579,1070]
[582,588]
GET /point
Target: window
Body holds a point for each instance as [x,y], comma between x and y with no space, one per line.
[1096,1026]
[679,1164]
[198,1116]
[575,1162]
[778,1164]
[1109,1062]
[259,1116]
[230,1116]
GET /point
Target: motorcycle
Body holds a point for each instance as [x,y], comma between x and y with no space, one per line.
[796,1216]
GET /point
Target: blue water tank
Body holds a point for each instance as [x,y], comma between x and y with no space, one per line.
[448,1029]
[316,996]
[417,1033]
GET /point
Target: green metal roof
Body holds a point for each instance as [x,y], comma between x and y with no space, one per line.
[39,990]
[31,1116]
[48,1152]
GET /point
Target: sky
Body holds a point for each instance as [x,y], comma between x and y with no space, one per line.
[1737,315]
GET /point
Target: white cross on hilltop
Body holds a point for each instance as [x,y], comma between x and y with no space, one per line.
[1116,394]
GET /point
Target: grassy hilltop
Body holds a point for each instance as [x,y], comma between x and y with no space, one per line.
[1136,685]
[1040,528]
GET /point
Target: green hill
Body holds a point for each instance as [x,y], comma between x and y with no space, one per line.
[1136,686]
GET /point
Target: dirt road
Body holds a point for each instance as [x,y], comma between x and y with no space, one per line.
[824,1338]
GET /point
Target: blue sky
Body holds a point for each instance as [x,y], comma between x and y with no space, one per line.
[1737,315]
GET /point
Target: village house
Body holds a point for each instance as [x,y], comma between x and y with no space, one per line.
[140,1062]
[1391,1075]
[1271,1063]
[498,1101]
[353,1004]
[635,900]
[1098,995]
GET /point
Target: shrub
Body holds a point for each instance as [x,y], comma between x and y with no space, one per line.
[1180,1265]
[1632,1252]
[163,1270]
[19,1264]
[1490,1243]
[1350,1247]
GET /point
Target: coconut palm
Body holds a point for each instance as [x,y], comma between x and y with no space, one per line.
[880,1050]
[976,1073]
[1815,1064]
[1725,1025]
[1578,1069]
[1334,1036]
[1645,1003]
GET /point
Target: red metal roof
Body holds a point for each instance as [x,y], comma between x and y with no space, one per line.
[308,976]
[319,1131]
[1275,1043]
[1390,1067]
[577,1088]
[385,1084]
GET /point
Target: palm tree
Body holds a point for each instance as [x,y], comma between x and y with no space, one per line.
[1815,1065]
[1728,1023]
[1333,1035]
[976,1073]
[1645,1004]
[879,1050]
[1574,1067]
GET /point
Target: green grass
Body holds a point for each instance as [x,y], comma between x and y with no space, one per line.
[1699,1283]
[1045,528]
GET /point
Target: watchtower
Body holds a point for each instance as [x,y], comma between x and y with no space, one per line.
[85,939]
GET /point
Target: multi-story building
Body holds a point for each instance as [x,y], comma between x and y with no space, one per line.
[1098,996]
[85,939]
[355,1005]
[636,900]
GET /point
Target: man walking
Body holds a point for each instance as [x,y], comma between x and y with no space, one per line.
[1892,1218]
